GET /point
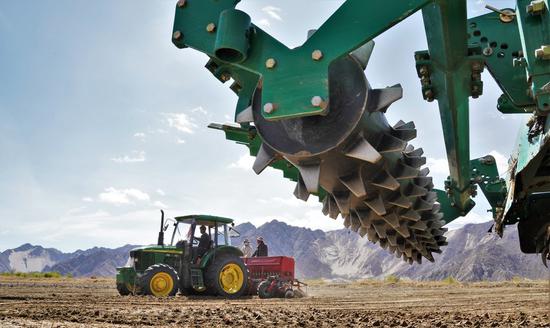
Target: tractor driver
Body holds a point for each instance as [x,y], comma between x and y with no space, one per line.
[204,242]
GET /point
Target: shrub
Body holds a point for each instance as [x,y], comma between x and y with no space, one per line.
[392,279]
[450,280]
[32,274]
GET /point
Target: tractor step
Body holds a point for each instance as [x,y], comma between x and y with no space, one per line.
[196,280]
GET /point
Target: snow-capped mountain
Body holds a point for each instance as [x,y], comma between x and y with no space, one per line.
[93,262]
[29,258]
[472,254]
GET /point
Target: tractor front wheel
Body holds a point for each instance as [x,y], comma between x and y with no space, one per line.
[159,280]
[227,276]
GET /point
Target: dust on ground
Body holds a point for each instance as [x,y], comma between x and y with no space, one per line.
[89,302]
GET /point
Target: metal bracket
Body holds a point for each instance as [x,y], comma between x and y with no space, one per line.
[293,80]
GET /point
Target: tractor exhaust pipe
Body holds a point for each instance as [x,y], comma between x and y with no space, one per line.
[161,232]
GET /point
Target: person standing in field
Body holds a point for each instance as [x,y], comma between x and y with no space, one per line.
[246,249]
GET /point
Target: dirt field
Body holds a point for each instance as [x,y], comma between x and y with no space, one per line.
[28,302]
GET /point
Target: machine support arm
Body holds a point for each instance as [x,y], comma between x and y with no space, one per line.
[447,75]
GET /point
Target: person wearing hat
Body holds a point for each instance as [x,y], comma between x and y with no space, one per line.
[262,248]
[246,249]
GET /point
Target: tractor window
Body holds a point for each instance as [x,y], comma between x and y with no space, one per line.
[223,236]
[182,231]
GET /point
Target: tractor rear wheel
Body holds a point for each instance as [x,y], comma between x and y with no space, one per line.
[227,276]
[159,280]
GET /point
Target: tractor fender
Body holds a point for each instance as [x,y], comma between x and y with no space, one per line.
[217,252]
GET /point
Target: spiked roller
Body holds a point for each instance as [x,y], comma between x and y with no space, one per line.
[372,177]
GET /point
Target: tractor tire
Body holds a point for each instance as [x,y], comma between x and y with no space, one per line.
[289,293]
[362,168]
[262,289]
[123,290]
[159,280]
[226,276]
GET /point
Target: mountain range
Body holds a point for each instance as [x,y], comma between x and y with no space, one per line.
[473,254]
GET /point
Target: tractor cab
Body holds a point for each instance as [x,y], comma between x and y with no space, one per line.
[198,260]
[187,232]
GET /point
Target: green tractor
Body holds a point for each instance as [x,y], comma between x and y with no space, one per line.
[161,270]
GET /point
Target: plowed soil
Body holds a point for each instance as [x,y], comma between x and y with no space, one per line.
[89,302]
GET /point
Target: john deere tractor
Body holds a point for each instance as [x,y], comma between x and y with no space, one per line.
[161,270]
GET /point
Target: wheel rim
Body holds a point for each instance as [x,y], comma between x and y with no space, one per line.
[231,278]
[161,284]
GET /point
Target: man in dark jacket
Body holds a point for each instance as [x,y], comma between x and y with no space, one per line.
[204,242]
[262,248]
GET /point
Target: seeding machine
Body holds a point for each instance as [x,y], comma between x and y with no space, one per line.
[311,113]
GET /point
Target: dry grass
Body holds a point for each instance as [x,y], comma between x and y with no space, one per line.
[56,275]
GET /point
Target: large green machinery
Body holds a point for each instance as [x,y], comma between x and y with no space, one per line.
[162,270]
[311,113]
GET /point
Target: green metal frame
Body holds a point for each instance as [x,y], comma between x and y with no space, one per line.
[510,44]
[293,76]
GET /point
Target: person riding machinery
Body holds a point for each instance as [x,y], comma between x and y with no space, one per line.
[262,248]
[204,243]
[246,249]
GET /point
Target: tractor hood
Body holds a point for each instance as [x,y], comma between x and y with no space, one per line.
[155,249]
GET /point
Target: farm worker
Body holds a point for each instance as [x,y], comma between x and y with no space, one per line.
[262,248]
[246,249]
[204,242]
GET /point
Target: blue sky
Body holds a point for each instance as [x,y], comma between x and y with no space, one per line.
[103,122]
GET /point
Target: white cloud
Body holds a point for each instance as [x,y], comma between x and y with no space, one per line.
[180,141]
[134,157]
[264,22]
[245,162]
[161,192]
[159,204]
[139,135]
[290,201]
[502,162]
[472,217]
[122,196]
[273,12]
[180,121]
[438,166]
[199,110]
[88,199]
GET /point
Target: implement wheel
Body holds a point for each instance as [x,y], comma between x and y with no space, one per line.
[160,280]
[262,289]
[227,276]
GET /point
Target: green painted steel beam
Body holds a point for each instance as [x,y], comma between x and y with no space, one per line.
[534,30]
[248,136]
[500,40]
[484,173]
[450,72]
[291,78]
